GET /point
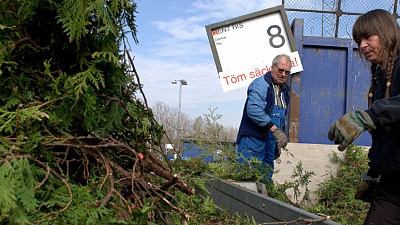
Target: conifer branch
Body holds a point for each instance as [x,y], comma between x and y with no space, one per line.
[58,177]
[47,168]
[72,47]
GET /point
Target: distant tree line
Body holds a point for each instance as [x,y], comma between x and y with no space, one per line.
[178,125]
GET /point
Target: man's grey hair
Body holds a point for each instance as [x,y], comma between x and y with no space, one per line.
[277,59]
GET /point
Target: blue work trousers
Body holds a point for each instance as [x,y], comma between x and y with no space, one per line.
[264,150]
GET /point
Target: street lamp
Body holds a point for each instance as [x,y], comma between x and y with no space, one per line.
[181,82]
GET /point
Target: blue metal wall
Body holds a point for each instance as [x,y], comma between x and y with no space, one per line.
[334,81]
[192,150]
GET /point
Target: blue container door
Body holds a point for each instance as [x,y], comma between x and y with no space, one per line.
[323,92]
[335,80]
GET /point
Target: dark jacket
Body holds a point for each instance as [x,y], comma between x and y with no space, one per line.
[261,92]
[384,154]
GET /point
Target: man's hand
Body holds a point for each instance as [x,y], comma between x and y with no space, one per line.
[344,130]
[281,139]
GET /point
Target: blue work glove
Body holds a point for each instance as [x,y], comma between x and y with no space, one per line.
[344,130]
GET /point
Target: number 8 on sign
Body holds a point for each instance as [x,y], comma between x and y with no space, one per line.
[274,36]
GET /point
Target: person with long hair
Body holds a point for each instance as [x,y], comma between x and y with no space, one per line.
[377,35]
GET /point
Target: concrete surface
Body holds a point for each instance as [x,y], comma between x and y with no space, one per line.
[252,186]
[315,158]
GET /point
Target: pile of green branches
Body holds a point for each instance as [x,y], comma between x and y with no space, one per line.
[336,195]
[76,145]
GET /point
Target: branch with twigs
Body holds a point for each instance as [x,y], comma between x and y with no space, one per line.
[131,176]
[305,220]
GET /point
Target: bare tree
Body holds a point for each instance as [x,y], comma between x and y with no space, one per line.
[179,125]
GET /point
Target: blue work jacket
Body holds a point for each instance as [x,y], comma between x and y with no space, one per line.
[260,100]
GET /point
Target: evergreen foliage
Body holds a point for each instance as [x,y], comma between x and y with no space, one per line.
[76,143]
[337,194]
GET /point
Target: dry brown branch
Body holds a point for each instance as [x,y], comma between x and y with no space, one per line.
[170,183]
[110,178]
[162,217]
[137,76]
[107,166]
[46,219]
[44,179]
[155,192]
[306,221]
[44,103]
[153,164]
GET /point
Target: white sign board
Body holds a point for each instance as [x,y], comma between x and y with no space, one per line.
[244,47]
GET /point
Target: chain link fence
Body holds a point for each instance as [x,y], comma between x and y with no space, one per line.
[334,18]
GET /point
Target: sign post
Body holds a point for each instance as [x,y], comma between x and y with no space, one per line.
[244,47]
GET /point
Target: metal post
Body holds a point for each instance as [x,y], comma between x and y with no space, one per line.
[180,97]
[181,82]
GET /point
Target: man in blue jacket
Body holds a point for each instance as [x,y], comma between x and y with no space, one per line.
[264,115]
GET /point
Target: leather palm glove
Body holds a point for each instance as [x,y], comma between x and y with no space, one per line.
[344,130]
[281,139]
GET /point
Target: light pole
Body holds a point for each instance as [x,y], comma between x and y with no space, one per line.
[181,82]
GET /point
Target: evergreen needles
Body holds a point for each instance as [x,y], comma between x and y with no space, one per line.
[77,146]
